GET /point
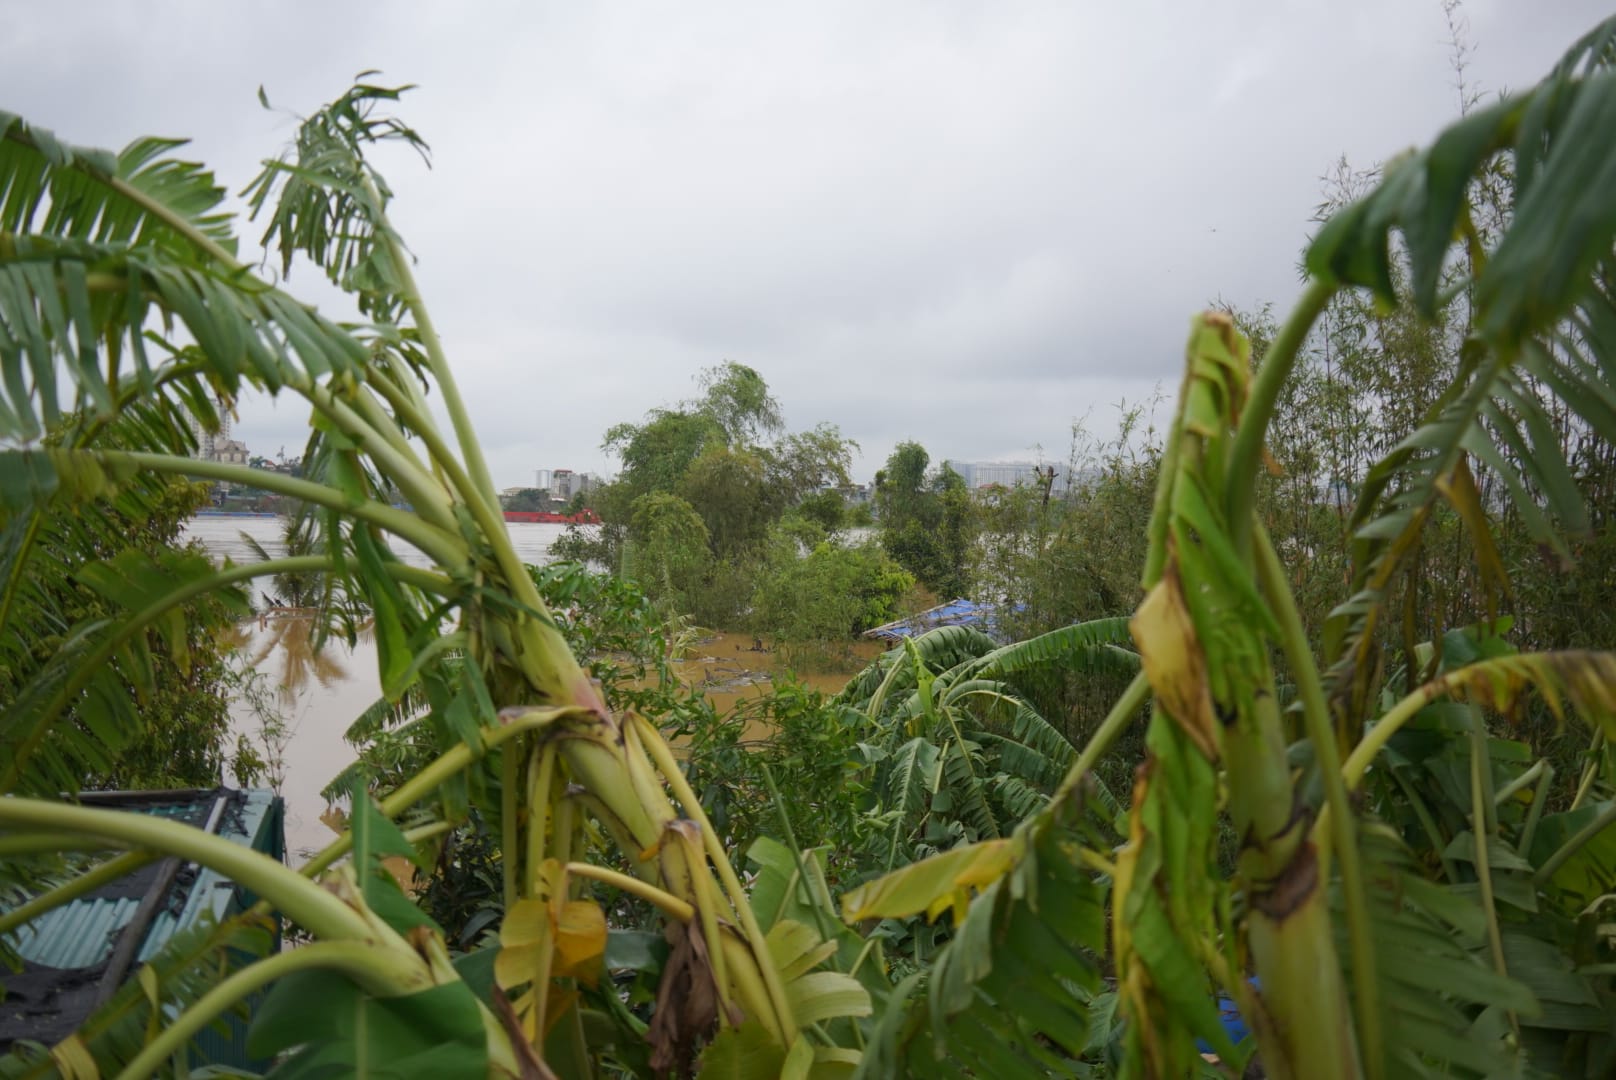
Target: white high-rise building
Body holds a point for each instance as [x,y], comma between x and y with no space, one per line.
[986,474]
[209,443]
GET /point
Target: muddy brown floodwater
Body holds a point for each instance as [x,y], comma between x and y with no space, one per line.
[728,669]
[319,696]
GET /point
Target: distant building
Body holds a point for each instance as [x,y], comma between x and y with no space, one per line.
[218,445]
[852,494]
[230,451]
[981,475]
[563,484]
[207,442]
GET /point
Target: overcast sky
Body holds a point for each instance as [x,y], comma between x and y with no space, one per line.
[963,223]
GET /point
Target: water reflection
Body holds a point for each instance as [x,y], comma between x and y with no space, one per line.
[304,664]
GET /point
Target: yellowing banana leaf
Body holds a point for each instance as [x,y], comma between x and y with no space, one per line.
[797,949]
[824,995]
[940,883]
[1174,660]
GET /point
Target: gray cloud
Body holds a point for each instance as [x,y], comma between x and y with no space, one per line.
[958,222]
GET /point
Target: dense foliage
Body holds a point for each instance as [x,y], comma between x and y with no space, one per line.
[717,524]
[1333,829]
[59,569]
[925,519]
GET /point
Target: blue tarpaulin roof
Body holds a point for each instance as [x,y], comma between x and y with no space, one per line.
[957,612]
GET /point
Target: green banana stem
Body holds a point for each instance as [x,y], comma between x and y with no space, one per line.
[351,958]
[437,360]
[1483,822]
[1590,771]
[550,667]
[306,903]
[1337,814]
[397,463]
[1306,998]
[52,842]
[510,863]
[1392,721]
[1131,701]
[540,781]
[446,766]
[1521,782]
[448,550]
[1161,509]
[1603,821]
[669,904]
[1540,798]
[413,415]
[684,867]
[1288,920]
[755,939]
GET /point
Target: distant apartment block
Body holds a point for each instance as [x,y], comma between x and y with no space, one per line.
[852,494]
[563,484]
[979,475]
[207,442]
[218,445]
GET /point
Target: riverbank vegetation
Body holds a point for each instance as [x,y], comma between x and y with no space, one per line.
[724,518]
[1305,713]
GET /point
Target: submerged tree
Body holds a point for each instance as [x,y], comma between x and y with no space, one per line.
[727,458]
[925,519]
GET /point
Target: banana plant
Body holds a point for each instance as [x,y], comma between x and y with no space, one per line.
[1344,957]
[121,293]
[956,750]
[123,297]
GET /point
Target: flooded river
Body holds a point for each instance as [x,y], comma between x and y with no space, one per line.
[329,693]
[223,537]
[343,683]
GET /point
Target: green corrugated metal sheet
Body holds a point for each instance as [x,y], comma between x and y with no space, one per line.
[81,936]
[261,827]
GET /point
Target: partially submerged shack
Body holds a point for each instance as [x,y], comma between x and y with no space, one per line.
[77,955]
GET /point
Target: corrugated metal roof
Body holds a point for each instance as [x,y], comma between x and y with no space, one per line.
[79,953]
[82,934]
[78,935]
[212,892]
